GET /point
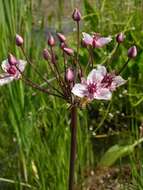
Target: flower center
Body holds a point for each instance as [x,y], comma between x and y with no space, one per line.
[11,70]
[107,80]
[92,88]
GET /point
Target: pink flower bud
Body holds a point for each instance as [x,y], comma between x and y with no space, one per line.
[70,75]
[19,40]
[68,51]
[61,37]
[46,54]
[120,37]
[132,52]
[76,15]
[63,45]
[11,59]
[51,40]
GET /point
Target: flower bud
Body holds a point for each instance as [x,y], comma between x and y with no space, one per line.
[63,45]
[19,40]
[46,54]
[11,59]
[51,40]
[76,15]
[120,37]
[132,52]
[70,75]
[61,37]
[68,51]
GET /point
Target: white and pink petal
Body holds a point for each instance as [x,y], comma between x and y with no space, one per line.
[118,80]
[80,90]
[101,70]
[5,79]
[94,77]
[5,65]
[87,38]
[102,41]
[21,65]
[103,94]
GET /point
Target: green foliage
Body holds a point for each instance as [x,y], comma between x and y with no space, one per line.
[116,152]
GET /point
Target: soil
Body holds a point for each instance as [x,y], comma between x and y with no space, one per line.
[113,178]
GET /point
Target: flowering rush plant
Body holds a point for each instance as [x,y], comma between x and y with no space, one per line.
[76,85]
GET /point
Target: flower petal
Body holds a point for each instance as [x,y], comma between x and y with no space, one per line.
[103,41]
[102,70]
[95,76]
[87,38]
[5,65]
[5,79]
[80,90]
[118,80]
[103,94]
[21,65]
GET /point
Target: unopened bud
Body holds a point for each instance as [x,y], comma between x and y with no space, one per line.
[51,40]
[63,45]
[69,51]
[46,54]
[61,37]
[19,40]
[70,75]
[76,15]
[132,52]
[11,59]
[120,37]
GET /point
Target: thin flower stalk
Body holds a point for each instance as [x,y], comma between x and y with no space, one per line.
[36,70]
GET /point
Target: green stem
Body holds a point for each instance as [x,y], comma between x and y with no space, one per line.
[124,66]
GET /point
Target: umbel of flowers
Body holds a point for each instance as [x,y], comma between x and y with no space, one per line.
[74,85]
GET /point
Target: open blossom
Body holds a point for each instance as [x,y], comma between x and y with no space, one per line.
[109,80]
[99,84]
[11,72]
[91,87]
[95,40]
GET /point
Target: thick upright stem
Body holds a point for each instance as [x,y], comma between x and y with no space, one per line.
[73,146]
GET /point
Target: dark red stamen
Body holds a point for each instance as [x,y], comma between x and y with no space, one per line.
[92,88]
[107,80]
[12,70]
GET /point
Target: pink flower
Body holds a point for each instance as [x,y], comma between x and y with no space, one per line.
[11,72]
[91,87]
[95,40]
[99,84]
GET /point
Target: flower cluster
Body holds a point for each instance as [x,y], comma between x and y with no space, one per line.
[72,82]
